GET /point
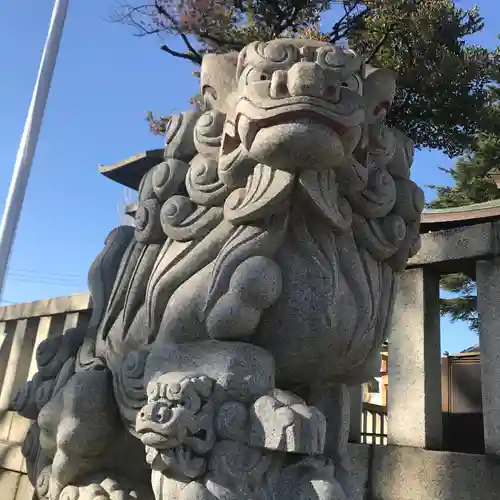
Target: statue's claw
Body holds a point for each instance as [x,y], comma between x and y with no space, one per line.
[94,488]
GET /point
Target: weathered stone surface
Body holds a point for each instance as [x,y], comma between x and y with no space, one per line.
[488,297]
[458,244]
[415,417]
[412,474]
[356,474]
[256,288]
[283,422]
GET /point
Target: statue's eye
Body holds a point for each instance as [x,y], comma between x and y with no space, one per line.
[280,53]
[254,75]
[209,97]
[154,391]
[353,83]
[330,56]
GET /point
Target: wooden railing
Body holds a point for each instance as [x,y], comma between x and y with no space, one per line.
[374,424]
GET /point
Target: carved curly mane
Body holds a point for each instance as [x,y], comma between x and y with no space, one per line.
[224,241]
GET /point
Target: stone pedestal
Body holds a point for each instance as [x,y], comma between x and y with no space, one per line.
[414,409]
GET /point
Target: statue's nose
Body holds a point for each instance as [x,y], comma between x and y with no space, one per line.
[306,79]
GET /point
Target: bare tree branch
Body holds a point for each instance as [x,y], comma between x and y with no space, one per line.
[181,55]
[197,57]
[193,54]
[348,22]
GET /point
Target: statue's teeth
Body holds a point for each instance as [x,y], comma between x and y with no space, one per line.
[247,130]
[278,86]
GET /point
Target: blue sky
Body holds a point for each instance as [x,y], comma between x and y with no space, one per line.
[104,82]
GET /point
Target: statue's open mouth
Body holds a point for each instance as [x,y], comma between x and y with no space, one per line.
[250,118]
[160,441]
[312,115]
[157,441]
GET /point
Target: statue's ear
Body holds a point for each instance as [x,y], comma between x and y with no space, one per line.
[218,78]
[379,90]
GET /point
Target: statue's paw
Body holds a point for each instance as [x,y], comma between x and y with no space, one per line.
[283,422]
[95,489]
[255,285]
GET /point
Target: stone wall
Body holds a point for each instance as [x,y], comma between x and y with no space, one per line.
[15,485]
[22,328]
[404,473]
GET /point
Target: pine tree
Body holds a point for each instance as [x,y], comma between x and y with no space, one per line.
[471,184]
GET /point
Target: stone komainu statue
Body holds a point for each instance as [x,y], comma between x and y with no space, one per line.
[256,286]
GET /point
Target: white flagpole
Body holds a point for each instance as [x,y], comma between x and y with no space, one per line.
[29,139]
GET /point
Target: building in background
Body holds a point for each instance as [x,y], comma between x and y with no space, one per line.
[375,391]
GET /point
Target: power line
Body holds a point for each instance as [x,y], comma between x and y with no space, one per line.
[52,278]
[44,281]
[46,278]
[37,271]
[49,277]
